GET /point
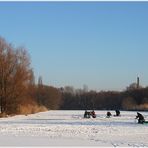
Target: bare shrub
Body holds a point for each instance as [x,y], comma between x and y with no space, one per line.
[128,103]
[142,106]
[31,109]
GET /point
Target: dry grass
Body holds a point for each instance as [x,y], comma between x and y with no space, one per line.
[2,115]
[26,109]
[142,106]
[31,109]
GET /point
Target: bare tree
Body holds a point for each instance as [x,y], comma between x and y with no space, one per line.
[48,96]
[40,81]
[15,75]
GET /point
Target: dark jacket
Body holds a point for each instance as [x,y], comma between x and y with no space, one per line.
[108,114]
[140,118]
[93,114]
[117,112]
[86,114]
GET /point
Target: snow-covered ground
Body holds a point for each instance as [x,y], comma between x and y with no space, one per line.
[69,128]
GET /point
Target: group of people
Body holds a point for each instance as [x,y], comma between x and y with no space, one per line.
[109,113]
[139,116]
[89,114]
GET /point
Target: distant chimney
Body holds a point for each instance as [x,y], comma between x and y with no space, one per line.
[137,82]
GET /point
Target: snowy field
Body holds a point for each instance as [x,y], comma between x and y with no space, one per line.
[69,128]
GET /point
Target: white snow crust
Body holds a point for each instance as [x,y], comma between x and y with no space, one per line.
[69,128]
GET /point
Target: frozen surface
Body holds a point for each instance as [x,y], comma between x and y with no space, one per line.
[69,128]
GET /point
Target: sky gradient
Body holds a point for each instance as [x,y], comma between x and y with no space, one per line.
[103,45]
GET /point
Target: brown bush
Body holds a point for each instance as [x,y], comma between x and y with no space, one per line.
[31,109]
[142,106]
[128,103]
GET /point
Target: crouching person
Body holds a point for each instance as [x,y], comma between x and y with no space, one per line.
[86,114]
[140,118]
[108,114]
[117,113]
[93,114]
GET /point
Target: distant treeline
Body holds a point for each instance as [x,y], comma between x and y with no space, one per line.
[20,95]
[130,99]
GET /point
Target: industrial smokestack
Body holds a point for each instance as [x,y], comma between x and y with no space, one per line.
[137,82]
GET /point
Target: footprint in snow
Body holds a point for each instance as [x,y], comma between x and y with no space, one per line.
[115,145]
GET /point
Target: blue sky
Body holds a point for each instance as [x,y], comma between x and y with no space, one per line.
[101,44]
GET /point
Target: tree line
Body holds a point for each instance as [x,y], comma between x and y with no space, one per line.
[19,94]
[130,99]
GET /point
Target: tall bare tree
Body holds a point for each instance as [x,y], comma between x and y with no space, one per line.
[15,75]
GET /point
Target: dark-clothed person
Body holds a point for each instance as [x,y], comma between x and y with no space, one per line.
[140,118]
[93,114]
[117,112]
[108,114]
[86,114]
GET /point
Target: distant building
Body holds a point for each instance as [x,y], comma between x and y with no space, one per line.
[134,85]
